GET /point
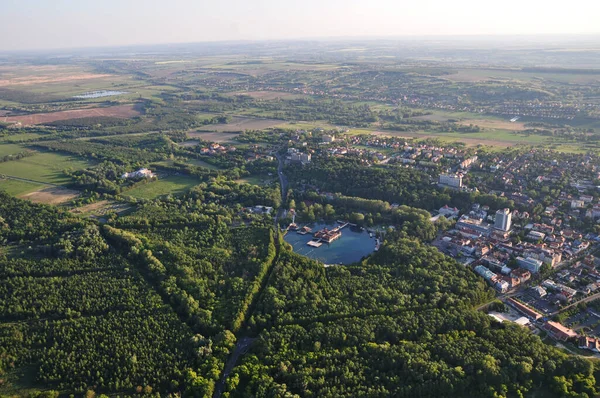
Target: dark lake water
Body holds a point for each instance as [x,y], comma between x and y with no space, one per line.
[353,245]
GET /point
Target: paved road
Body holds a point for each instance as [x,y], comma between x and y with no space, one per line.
[585,300]
[242,347]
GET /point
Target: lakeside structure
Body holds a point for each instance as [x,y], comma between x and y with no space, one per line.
[327,235]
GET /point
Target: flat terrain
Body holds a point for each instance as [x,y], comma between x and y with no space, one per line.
[101,208]
[18,187]
[213,136]
[267,95]
[202,163]
[495,124]
[255,180]
[163,186]
[239,124]
[51,195]
[11,149]
[31,75]
[46,167]
[120,111]
[189,143]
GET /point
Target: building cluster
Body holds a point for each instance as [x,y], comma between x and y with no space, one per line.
[485,242]
[216,148]
[296,156]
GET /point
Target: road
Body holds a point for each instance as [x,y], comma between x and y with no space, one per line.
[243,345]
[283,182]
[585,300]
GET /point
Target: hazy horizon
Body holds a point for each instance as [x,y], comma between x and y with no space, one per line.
[63,24]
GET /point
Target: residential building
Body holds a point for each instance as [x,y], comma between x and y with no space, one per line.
[589,343]
[530,264]
[451,180]
[539,291]
[559,332]
[465,223]
[577,204]
[522,274]
[503,220]
[447,211]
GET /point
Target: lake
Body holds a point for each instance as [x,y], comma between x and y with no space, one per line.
[352,246]
[99,94]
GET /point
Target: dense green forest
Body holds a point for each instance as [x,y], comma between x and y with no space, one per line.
[182,285]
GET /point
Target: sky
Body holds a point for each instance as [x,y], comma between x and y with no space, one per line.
[51,24]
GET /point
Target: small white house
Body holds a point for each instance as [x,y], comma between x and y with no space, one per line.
[141,173]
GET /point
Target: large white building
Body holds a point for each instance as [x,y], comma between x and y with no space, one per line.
[531,264]
[451,180]
[503,220]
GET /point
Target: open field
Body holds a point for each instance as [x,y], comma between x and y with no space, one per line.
[495,124]
[189,143]
[11,149]
[466,118]
[120,111]
[479,75]
[46,167]
[101,208]
[18,187]
[21,137]
[468,139]
[267,95]
[239,124]
[51,195]
[202,163]
[163,186]
[255,180]
[9,79]
[212,136]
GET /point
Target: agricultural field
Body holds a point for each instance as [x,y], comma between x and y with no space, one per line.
[45,167]
[174,185]
[18,187]
[43,74]
[120,111]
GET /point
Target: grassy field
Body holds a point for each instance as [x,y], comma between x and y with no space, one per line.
[202,163]
[21,137]
[10,149]
[163,186]
[255,180]
[18,188]
[43,167]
